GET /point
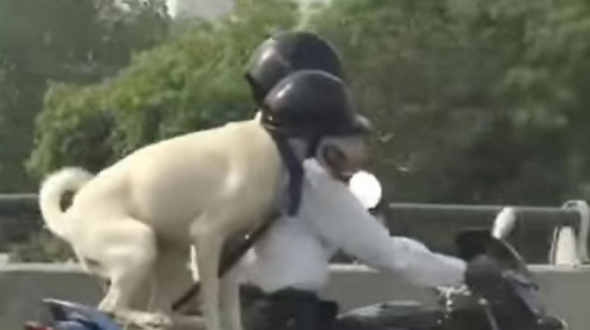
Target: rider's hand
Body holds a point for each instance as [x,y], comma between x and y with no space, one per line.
[457,298]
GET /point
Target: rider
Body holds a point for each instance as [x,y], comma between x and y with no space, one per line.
[368,190]
[289,265]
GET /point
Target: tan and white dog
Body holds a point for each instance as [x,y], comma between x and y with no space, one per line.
[137,219]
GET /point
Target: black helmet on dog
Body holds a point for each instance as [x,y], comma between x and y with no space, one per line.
[286,53]
[312,104]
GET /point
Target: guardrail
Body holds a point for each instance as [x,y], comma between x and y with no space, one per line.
[537,233]
[19,216]
[548,230]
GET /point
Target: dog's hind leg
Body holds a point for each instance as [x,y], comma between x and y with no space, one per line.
[130,254]
[172,276]
[209,244]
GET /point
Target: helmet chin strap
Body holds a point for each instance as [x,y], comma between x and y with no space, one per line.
[294,165]
[312,146]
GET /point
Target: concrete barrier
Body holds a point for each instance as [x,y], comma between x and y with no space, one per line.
[22,286]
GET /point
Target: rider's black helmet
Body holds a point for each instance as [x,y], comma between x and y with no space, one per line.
[286,53]
[312,104]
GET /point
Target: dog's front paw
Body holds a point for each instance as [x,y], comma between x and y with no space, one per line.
[144,321]
[159,321]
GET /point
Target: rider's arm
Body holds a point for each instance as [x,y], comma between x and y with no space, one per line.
[341,220]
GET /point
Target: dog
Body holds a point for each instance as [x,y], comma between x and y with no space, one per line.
[135,221]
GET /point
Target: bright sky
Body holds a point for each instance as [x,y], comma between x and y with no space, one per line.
[205,8]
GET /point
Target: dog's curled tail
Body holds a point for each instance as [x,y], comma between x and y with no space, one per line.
[54,188]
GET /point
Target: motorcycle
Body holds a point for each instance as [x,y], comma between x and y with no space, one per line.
[73,316]
[499,294]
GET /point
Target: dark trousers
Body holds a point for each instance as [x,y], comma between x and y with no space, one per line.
[287,309]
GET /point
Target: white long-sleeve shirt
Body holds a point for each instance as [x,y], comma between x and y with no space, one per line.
[295,252]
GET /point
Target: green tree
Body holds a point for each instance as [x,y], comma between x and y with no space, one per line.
[65,41]
[190,82]
[475,101]
[478,101]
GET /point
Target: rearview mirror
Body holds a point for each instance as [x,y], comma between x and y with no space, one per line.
[471,243]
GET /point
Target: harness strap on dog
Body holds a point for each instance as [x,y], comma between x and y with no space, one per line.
[229,259]
[293,201]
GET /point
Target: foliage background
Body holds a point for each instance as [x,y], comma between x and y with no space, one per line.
[475,101]
[478,101]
